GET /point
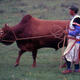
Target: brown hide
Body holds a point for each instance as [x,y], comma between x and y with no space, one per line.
[33,27]
[30,26]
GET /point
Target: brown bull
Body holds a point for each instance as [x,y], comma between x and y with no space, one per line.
[32,33]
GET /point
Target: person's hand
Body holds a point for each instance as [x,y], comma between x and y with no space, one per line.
[65,32]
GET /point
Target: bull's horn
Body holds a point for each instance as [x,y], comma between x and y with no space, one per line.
[6,24]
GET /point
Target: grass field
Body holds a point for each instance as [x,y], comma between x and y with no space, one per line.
[11,12]
[47,66]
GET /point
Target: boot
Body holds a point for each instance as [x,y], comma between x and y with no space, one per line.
[68,70]
[76,68]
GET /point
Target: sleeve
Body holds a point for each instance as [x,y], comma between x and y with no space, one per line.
[75,32]
[76,21]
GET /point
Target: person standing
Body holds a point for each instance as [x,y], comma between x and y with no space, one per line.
[71,53]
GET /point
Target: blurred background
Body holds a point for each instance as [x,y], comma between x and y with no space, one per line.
[12,11]
[48,60]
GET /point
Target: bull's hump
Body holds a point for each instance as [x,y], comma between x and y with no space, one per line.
[26,18]
[51,21]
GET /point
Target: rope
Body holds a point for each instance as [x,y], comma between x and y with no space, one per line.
[58,32]
[55,35]
[30,38]
[62,51]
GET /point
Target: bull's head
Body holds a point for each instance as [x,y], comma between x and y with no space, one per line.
[3,30]
[6,35]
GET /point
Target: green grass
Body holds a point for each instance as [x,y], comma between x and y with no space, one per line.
[11,12]
[47,65]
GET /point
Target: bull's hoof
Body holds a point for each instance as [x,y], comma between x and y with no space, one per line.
[16,65]
[33,65]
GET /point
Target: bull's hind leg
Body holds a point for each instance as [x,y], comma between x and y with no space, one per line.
[34,55]
[18,58]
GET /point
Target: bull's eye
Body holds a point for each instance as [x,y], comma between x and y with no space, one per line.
[1,32]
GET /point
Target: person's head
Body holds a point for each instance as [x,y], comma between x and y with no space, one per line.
[73,10]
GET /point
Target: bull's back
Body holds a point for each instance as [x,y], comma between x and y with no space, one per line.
[44,27]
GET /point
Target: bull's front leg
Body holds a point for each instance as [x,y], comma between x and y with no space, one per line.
[34,55]
[18,58]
